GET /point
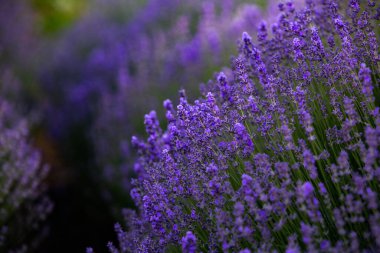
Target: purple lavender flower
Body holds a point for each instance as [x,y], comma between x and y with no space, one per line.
[307,189]
[297,45]
[243,139]
[305,117]
[365,78]
[189,243]
[318,48]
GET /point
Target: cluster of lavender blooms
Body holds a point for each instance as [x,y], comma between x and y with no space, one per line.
[23,205]
[280,154]
[173,44]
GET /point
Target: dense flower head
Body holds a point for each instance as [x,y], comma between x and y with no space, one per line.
[279,154]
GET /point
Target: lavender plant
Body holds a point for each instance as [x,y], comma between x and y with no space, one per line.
[280,153]
[22,205]
[173,45]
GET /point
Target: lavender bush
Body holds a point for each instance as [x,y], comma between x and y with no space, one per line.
[280,154]
[173,45]
[22,205]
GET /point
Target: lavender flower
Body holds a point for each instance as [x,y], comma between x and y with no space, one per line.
[189,243]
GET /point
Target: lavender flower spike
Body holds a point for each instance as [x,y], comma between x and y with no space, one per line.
[189,243]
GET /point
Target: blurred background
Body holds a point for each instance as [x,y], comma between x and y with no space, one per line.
[84,73]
